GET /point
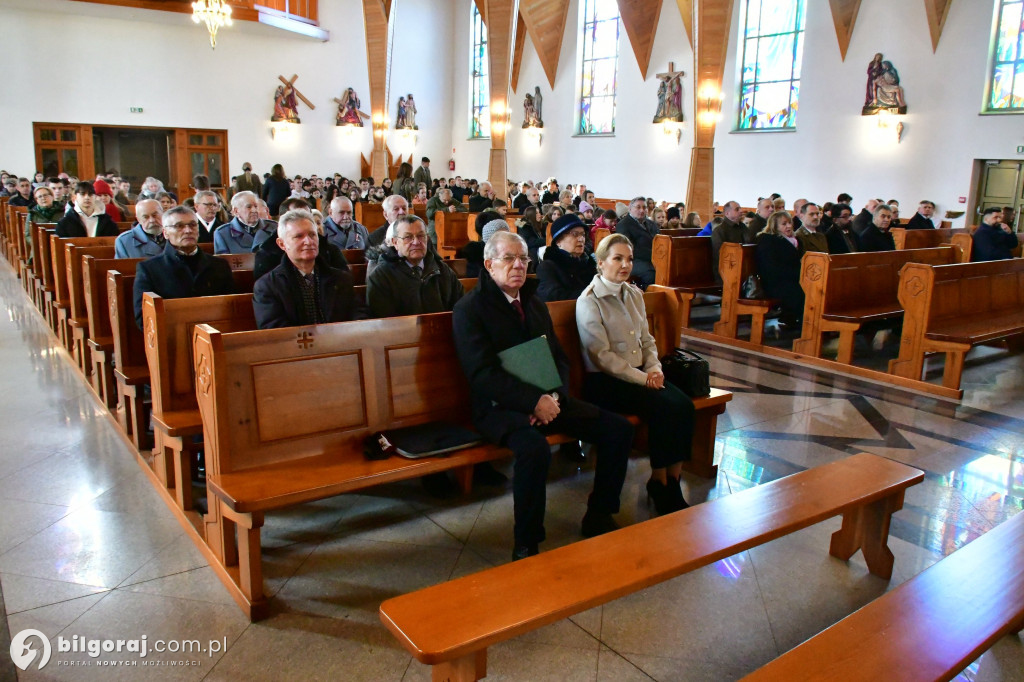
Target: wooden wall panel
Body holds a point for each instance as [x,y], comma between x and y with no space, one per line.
[501,34]
[937,11]
[844,16]
[640,19]
[517,54]
[545,21]
[379,25]
[686,11]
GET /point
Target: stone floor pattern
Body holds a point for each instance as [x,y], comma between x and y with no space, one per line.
[89,549]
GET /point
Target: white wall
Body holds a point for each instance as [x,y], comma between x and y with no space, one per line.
[229,88]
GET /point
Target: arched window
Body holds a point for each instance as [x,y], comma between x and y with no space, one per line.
[1006,85]
[771,47]
[600,64]
[480,94]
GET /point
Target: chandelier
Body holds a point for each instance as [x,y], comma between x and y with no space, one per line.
[214,13]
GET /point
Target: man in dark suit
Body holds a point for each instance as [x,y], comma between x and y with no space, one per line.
[80,220]
[922,220]
[501,312]
[841,237]
[207,207]
[301,290]
[993,240]
[183,270]
[765,207]
[640,230]
[876,236]
[482,201]
[863,219]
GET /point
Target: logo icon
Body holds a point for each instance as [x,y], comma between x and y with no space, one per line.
[23,654]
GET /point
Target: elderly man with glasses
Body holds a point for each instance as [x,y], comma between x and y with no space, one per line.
[504,311]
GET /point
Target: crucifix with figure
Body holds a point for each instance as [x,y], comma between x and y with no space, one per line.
[670,96]
[285,106]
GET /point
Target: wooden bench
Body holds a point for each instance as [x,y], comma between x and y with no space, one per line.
[737,262]
[370,216]
[452,231]
[168,325]
[930,627]
[78,315]
[38,236]
[951,308]
[450,625]
[843,292]
[101,339]
[924,239]
[61,289]
[278,433]
[130,370]
[684,264]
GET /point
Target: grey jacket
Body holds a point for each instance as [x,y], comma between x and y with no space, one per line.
[613,330]
[392,289]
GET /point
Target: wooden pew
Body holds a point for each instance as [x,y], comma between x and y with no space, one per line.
[450,625]
[272,441]
[4,240]
[61,289]
[24,265]
[168,325]
[599,234]
[951,308]
[78,315]
[930,627]
[353,256]
[843,292]
[452,232]
[924,239]
[684,264]
[36,236]
[370,216]
[101,338]
[680,231]
[130,370]
[737,262]
[44,262]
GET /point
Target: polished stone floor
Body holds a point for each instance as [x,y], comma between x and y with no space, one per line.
[88,548]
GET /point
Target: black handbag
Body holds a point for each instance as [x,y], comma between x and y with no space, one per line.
[688,372]
[752,288]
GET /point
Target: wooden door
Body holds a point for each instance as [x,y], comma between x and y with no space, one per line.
[200,152]
[64,148]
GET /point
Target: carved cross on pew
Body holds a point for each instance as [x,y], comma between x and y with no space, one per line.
[305,340]
[291,84]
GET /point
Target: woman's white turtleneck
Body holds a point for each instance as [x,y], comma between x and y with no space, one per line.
[614,286]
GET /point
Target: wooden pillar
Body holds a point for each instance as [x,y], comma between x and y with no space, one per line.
[712,20]
[378,21]
[501,18]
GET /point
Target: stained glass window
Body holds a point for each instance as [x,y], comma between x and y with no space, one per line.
[600,66]
[772,48]
[480,97]
[1006,89]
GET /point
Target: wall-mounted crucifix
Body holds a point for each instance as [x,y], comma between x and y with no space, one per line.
[670,96]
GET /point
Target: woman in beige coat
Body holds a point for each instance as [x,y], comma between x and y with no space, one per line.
[623,371]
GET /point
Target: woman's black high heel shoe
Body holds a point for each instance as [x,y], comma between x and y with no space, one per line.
[675,492]
[661,494]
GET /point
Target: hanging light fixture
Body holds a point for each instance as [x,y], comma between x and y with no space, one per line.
[214,13]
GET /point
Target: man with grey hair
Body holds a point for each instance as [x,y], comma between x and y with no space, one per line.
[247,230]
[641,231]
[441,201]
[341,229]
[302,290]
[395,206]
[730,230]
[501,312]
[482,200]
[876,236]
[866,216]
[207,207]
[528,197]
[146,238]
[183,270]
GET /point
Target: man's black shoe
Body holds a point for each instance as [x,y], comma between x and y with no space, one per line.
[596,523]
[485,474]
[523,551]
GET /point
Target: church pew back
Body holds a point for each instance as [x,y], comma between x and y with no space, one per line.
[737,262]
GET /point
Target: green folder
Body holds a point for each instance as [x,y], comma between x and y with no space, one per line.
[532,362]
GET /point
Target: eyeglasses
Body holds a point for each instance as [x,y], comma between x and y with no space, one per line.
[406,238]
[191,225]
[508,261]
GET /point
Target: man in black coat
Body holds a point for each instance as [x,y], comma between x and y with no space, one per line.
[862,220]
[183,270]
[922,220]
[300,290]
[501,312]
[641,231]
[876,236]
[993,240]
[841,237]
[80,220]
[483,200]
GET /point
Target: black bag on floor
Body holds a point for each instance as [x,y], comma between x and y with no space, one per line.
[688,372]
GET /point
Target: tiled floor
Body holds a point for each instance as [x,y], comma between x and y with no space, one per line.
[88,548]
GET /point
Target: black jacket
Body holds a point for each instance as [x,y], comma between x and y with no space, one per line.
[522,202]
[862,220]
[778,263]
[873,239]
[71,225]
[269,254]
[169,276]
[277,299]
[392,289]
[276,190]
[479,203]
[642,235]
[991,243]
[473,252]
[836,243]
[484,324]
[919,222]
[563,277]
[206,236]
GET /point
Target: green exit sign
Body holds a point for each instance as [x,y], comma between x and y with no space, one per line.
[1020,149]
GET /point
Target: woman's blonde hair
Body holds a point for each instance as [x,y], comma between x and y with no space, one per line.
[773,222]
[606,244]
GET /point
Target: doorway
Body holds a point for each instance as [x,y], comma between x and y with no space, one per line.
[135,153]
[1001,184]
